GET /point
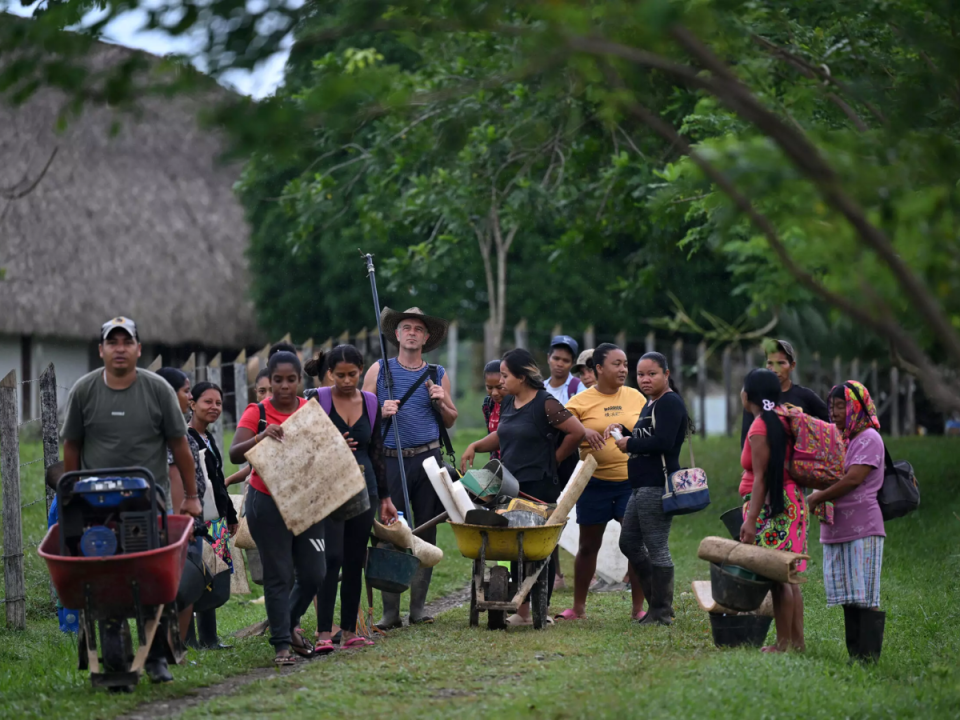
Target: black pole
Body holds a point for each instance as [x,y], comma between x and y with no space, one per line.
[389,383]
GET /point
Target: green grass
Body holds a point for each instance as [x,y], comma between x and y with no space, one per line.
[601,667]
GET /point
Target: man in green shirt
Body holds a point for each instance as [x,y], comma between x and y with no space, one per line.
[119,416]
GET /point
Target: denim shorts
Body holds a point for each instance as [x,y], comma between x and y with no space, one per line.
[603,501]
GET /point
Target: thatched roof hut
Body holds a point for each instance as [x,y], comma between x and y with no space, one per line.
[144,223]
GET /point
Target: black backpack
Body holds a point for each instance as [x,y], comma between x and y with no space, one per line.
[900,493]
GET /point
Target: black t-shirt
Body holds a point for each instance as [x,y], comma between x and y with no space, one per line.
[528,438]
[804,398]
[369,451]
[649,446]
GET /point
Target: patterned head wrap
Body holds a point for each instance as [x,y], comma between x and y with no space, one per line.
[861,412]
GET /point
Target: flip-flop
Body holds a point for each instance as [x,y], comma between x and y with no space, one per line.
[285,660]
[517,620]
[302,647]
[640,616]
[324,647]
[355,643]
[569,614]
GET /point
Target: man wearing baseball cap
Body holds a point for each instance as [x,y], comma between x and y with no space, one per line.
[562,384]
[120,416]
[782,359]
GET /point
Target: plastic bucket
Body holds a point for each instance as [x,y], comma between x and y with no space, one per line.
[737,630]
[735,592]
[732,520]
[390,570]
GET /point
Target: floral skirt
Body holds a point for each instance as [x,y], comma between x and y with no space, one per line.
[221,537]
[786,531]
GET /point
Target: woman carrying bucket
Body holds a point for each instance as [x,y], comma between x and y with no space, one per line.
[281,551]
[530,419]
[774,509]
[357,415]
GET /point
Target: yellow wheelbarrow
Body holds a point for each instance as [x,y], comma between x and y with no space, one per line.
[530,548]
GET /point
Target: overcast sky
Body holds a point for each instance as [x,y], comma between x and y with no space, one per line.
[125,30]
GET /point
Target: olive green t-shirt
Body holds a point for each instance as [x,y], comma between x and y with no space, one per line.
[119,428]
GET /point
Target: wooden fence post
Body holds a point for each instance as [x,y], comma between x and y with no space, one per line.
[200,373]
[51,437]
[589,339]
[837,370]
[14,586]
[815,382]
[453,346]
[650,343]
[362,342]
[240,395]
[855,369]
[895,401]
[676,364]
[911,410]
[190,368]
[728,404]
[344,338]
[156,364]
[702,386]
[557,330]
[306,355]
[520,337]
[215,375]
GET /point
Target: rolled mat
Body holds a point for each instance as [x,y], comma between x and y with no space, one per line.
[703,592]
[401,536]
[574,489]
[776,565]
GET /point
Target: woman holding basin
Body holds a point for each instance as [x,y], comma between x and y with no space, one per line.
[530,419]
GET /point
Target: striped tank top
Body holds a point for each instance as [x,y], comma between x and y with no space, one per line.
[416,419]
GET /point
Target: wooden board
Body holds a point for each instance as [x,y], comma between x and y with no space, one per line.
[774,564]
[703,592]
[312,472]
[239,584]
[571,493]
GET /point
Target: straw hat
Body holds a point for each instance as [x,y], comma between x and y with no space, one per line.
[436,327]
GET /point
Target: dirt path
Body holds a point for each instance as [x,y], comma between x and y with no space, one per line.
[175,706]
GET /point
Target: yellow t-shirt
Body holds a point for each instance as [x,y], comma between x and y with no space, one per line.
[596,411]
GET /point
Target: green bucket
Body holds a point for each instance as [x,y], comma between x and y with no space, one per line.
[390,570]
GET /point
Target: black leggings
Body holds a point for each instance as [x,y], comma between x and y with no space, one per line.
[347,549]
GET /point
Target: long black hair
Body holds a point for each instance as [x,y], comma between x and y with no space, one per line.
[661,360]
[175,377]
[763,390]
[283,357]
[492,367]
[322,362]
[201,387]
[521,364]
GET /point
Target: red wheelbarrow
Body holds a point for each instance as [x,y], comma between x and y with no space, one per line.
[110,590]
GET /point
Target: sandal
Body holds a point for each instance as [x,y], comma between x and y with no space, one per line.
[640,616]
[324,647]
[285,660]
[300,646]
[569,614]
[355,643]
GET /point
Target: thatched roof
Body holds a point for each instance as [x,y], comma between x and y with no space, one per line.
[143,224]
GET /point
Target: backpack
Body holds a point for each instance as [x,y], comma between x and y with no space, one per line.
[324,396]
[818,449]
[899,493]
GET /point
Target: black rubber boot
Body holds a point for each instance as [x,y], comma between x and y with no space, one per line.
[191,639]
[391,612]
[872,623]
[661,600]
[418,596]
[851,628]
[207,631]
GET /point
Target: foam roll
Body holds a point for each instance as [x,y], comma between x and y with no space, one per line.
[441,486]
[461,499]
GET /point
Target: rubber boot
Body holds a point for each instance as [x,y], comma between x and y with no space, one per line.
[391,611]
[661,601]
[418,596]
[207,631]
[191,639]
[644,570]
[872,623]
[851,629]
[156,665]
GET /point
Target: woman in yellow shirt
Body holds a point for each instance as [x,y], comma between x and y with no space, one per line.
[606,495]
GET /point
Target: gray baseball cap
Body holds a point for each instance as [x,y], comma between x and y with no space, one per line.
[123,323]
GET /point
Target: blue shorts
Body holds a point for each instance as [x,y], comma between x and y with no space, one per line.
[603,501]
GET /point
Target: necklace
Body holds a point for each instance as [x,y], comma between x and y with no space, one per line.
[412,369]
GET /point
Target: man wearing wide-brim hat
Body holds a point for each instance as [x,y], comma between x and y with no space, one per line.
[427,409]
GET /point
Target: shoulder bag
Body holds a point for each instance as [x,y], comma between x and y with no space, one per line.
[685,491]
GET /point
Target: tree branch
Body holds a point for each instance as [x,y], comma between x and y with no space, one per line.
[14,192]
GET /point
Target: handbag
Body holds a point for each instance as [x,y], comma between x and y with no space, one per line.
[900,493]
[210,512]
[685,491]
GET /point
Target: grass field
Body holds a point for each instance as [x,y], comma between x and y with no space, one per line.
[602,667]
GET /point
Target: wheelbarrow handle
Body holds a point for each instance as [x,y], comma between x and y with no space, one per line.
[420,529]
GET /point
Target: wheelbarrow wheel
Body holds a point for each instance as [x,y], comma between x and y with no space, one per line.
[474,610]
[115,645]
[538,601]
[499,588]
